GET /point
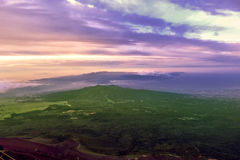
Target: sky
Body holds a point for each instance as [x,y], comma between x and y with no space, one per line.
[53,38]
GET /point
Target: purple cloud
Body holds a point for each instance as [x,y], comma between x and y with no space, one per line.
[223,59]
[210,6]
[154,35]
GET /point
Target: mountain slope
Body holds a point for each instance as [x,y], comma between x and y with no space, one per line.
[112,92]
[121,121]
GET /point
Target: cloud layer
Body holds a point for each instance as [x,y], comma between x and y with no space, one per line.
[42,38]
[6,85]
[209,84]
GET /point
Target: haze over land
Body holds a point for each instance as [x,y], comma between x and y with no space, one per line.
[204,84]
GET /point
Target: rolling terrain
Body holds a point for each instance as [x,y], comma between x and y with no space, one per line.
[119,121]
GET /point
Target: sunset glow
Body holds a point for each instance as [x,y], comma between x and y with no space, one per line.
[41,38]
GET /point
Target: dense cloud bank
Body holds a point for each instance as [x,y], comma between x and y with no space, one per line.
[207,83]
[6,85]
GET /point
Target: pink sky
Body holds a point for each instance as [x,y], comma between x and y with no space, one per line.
[41,39]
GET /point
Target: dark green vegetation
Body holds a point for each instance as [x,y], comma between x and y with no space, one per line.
[120,121]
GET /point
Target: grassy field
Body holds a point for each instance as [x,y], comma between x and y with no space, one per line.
[10,106]
[120,121]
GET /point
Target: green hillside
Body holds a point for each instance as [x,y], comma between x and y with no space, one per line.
[103,93]
[122,121]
